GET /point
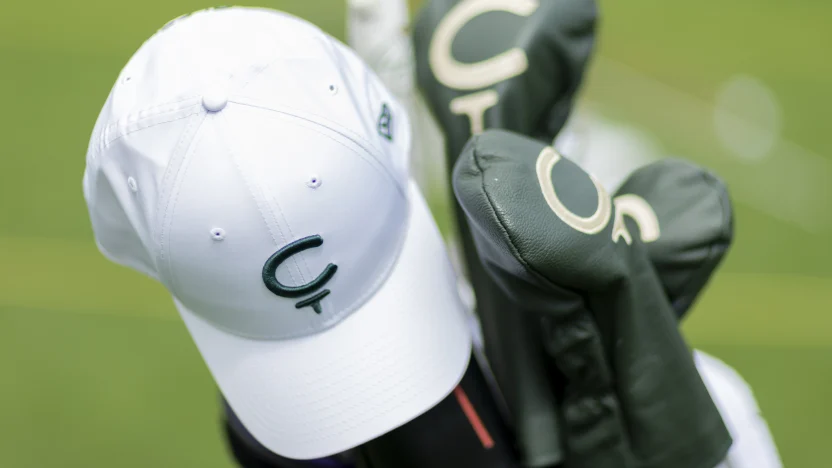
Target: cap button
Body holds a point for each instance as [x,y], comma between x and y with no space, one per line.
[214,101]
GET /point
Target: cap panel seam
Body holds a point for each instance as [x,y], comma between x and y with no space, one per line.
[178,165]
[302,257]
[375,159]
[135,122]
[328,43]
[268,206]
[276,202]
[257,196]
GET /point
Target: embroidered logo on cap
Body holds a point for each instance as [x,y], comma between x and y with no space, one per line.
[384,122]
[280,289]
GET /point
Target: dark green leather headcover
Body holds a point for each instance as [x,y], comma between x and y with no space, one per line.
[577,261]
[697,225]
[467,86]
[535,93]
[457,44]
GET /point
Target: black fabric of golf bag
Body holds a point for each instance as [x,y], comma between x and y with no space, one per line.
[466,429]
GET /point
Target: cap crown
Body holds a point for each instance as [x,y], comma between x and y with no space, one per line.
[254,166]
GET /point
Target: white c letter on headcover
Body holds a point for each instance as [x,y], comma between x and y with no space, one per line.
[590,225]
[467,76]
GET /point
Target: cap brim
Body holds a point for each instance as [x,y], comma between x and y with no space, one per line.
[393,359]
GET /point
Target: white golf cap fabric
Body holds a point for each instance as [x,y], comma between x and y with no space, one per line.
[255,167]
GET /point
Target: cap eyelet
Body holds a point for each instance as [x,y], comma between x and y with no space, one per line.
[313,182]
[218,234]
[333,89]
[131,184]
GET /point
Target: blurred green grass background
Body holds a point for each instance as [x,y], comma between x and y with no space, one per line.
[97,369]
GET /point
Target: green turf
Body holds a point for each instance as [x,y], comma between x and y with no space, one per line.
[97,367]
[115,391]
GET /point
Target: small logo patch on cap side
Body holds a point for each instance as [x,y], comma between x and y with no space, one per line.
[385,122]
[280,289]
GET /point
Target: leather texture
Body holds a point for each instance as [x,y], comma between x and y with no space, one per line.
[697,225]
[558,40]
[630,393]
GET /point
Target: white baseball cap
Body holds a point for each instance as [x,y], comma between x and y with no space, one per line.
[255,167]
